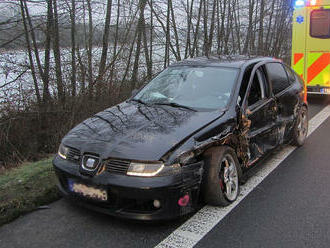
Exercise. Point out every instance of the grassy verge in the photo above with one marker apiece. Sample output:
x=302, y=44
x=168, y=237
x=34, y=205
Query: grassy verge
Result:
x=25, y=188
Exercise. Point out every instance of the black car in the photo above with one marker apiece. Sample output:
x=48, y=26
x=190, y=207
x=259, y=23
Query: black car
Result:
x=184, y=139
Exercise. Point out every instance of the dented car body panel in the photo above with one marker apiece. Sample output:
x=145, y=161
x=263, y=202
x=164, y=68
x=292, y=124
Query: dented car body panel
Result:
x=255, y=120
x=137, y=132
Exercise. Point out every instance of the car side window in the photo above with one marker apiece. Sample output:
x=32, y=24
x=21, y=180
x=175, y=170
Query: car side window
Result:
x=277, y=77
x=258, y=90
x=299, y=79
x=290, y=73
x=244, y=85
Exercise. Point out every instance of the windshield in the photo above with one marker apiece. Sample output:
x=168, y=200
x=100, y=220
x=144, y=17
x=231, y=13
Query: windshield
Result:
x=194, y=87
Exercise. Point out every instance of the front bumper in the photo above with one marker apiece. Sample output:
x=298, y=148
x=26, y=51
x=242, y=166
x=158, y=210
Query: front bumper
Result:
x=132, y=197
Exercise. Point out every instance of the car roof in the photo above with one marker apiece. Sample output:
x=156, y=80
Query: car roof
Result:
x=234, y=61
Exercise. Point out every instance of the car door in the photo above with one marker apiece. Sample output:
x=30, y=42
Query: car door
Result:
x=286, y=94
x=261, y=110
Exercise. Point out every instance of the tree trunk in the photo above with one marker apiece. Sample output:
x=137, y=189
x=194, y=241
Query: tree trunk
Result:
x=73, y=48
x=221, y=30
x=195, y=48
x=189, y=24
x=178, y=57
x=35, y=81
x=261, y=29
x=44, y=77
x=140, y=28
x=89, y=50
x=99, y=80
x=167, y=33
x=151, y=34
x=115, y=43
x=205, y=18
x=249, y=30
x=146, y=52
x=50, y=24
x=128, y=66
x=57, y=56
x=210, y=39
x=164, y=28
x=228, y=29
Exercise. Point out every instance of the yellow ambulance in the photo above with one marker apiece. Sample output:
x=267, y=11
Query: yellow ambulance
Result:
x=311, y=44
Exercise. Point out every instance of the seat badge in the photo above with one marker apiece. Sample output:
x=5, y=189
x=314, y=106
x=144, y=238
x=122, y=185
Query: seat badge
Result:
x=90, y=163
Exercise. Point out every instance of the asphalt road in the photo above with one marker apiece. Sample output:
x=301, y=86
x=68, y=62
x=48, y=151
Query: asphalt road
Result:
x=290, y=208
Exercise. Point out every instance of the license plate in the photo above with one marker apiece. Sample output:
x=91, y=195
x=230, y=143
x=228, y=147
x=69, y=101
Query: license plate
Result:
x=325, y=90
x=88, y=191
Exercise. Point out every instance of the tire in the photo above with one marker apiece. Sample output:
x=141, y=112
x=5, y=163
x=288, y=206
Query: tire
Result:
x=300, y=129
x=220, y=185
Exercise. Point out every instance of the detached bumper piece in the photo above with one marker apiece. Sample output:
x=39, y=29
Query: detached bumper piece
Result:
x=147, y=199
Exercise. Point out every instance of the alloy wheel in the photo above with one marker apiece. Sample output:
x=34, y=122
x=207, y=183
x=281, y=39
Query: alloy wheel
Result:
x=229, y=178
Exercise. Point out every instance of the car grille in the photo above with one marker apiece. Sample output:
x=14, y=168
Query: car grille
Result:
x=112, y=165
x=73, y=155
x=117, y=166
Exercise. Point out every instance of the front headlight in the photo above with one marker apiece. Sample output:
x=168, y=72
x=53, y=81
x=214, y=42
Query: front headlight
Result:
x=150, y=170
x=63, y=151
x=144, y=170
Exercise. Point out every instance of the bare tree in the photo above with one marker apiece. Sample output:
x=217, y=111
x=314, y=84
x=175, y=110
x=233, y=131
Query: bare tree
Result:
x=99, y=80
x=32, y=68
x=140, y=30
x=57, y=55
x=73, y=48
x=89, y=49
x=177, y=44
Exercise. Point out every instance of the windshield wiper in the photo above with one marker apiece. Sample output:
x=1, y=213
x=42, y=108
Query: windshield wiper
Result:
x=175, y=105
x=139, y=101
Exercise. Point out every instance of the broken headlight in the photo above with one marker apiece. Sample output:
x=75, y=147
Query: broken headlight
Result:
x=63, y=151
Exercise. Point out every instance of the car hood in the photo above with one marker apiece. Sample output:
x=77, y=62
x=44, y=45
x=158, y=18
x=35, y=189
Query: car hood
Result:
x=136, y=131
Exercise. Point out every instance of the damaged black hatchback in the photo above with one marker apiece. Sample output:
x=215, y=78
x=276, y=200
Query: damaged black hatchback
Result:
x=184, y=139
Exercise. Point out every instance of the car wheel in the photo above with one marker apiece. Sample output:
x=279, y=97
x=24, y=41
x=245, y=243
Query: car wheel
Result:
x=300, y=129
x=221, y=178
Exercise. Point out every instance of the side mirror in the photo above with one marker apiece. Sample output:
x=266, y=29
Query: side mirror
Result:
x=134, y=92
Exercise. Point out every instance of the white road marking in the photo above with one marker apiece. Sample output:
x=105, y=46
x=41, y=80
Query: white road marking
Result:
x=194, y=229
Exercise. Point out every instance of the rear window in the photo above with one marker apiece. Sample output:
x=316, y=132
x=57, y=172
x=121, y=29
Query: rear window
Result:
x=320, y=24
